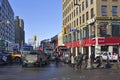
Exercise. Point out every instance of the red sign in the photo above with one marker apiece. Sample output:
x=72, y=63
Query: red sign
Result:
x=112, y=40
x=101, y=40
x=109, y=41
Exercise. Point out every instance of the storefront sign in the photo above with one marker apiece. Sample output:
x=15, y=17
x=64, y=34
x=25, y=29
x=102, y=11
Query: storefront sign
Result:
x=109, y=41
x=101, y=40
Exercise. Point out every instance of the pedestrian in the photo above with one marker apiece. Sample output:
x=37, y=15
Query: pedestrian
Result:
x=99, y=61
x=85, y=60
x=92, y=58
x=73, y=60
x=108, y=65
x=79, y=61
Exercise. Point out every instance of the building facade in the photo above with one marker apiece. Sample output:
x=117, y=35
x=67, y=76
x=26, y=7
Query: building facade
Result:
x=91, y=25
x=60, y=39
x=19, y=31
x=6, y=22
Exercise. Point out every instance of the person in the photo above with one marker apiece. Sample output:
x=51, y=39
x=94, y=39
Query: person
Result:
x=85, y=60
x=79, y=60
x=99, y=61
x=92, y=57
x=73, y=60
x=108, y=65
x=56, y=59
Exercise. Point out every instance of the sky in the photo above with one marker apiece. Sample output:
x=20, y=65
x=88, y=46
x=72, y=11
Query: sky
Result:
x=42, y=18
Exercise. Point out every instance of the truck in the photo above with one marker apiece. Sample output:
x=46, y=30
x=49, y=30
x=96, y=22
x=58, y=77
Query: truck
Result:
x=110, y=55
x=33, y=57
x=63, y=52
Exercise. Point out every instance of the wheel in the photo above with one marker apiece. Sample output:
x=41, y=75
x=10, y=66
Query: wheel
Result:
x=17, y=60
x=24, y=65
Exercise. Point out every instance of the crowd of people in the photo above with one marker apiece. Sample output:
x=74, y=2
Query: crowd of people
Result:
x=81, y=61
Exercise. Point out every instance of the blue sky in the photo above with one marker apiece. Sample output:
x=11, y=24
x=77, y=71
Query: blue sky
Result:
x=41, y=17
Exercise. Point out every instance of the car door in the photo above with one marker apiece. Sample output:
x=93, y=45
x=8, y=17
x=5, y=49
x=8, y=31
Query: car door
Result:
x=110, y=56
x=104, y=56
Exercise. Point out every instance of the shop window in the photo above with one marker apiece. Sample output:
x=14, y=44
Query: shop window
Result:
x=115, y=49
x=104, y=48
x=103, y=29
x=92, y=30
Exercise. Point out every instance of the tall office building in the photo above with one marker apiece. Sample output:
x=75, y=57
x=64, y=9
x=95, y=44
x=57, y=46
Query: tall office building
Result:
x=6, y=22
x=19, y=31
x=91, y=25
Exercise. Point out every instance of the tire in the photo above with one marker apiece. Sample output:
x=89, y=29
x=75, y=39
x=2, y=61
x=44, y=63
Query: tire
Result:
x=24, y=65
x=17, y=60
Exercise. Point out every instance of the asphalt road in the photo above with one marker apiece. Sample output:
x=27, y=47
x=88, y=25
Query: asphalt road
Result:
x=53, y=72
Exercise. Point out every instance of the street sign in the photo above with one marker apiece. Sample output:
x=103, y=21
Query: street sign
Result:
x=74, y=30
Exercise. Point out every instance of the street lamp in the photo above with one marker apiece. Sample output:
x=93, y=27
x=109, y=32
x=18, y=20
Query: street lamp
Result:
x=80, y=37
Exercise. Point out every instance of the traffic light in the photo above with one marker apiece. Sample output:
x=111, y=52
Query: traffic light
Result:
x=35, y=37
x=64, y=30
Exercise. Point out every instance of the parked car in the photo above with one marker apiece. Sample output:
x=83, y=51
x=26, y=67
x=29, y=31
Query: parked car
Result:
x=3, y=58
x=35, y=58
x=110, y=55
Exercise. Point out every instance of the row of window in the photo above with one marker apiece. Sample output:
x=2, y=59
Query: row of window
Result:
x=87, y=32
x=114, y=10
x=82, y=19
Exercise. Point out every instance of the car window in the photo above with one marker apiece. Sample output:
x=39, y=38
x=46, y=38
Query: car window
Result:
x=105, y=54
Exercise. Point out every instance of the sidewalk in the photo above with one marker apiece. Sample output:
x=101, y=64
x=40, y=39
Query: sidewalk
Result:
x=114, y=65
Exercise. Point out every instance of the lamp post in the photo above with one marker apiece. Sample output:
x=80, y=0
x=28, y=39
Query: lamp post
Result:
x=78, y=36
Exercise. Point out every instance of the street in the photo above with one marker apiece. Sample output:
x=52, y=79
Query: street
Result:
x=53, y=72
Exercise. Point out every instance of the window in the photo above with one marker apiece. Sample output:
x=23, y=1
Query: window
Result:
x=104, y=10
x=77, y=21
x=80, y=19
x=92, y=13
x=91, y=1
x=82, y=6
x=103, y=29
x=86, y=3
x=116, y=29
x=83, y=18
x=86, y=32
x=87, y=16
x=92, y=30
x=114, y=10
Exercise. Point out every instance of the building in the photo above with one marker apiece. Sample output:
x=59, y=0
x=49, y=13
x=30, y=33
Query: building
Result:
x=6, y=21
x=91, y=25
x=19, y=31
x=60, y=39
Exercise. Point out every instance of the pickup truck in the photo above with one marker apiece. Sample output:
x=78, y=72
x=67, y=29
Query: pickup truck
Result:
x=35, y=58
x=111, y=56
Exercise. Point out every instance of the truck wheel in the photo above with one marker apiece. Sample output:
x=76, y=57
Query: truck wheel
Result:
x=17, y=60
x=24, y=65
